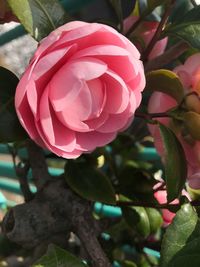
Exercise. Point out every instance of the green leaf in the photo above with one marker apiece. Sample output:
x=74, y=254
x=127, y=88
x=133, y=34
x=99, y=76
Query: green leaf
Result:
x=175, y=163
x=57, y=257
x=165, y=81
x=89, y=182
x=135, y=182
x=155, y=219
x=181, y=243
x=137, y=219
x=187, y=28
x=117, y=6
x=127, y=263
x=39, y=17
x=10, y=128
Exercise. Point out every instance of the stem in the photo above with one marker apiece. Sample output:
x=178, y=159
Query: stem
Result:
x=134, y=26
x=158, y=31
x=150, y=116
x=173, y=53
x=194, y=203
x=147, y=204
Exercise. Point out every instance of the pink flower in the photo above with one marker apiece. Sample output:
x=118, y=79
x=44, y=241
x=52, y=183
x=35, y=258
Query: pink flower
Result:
x=81, y=88
x=145, y=32
x=189, y=74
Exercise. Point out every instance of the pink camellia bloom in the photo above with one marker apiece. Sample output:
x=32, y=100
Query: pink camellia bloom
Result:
x=81, y=88
x=189, y=74
x=145, y=32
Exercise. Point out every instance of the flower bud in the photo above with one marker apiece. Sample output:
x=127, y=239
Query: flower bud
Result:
x=192, y=124
x=192, y=103
x=193, y=186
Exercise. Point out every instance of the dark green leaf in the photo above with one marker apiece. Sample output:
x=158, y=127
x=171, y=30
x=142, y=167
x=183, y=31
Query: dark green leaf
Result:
x=175, y=163
x=10, y=128
x=116, y=4
x=155, y=219
x=187, y=28
x=165, y=81
x=188, y=32
x=39, y=17
x=135, y=182
x=89, y=182
x=181, y=243
x=137, y=219
x=179, y=10
x=57, y=257
x=127, y=263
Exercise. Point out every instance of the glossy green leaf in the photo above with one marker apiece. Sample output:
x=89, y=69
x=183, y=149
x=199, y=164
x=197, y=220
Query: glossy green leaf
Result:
x=39, y=17
x=117, y=5
x=137, y=219
x=135, y=182
x=187, y=28
x=57, y=257
x=89, y=182
x=10, y=127
x=155, y=219
x=181, y=243
x=188, y=32
x=127, y=263
x=165, y=81
x=175, y=163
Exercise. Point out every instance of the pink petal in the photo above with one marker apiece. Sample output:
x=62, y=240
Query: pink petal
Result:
x=118, y=59
x=78, y=111
x=93, y=124
x=97, y=92
x=115, y=122
x=26, y=119
x=117, y=93
x=56, y=134
x=89, y=141
x=21, y=88
x=67, y=83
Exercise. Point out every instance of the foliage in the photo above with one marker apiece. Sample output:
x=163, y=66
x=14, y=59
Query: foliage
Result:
x=126, y=174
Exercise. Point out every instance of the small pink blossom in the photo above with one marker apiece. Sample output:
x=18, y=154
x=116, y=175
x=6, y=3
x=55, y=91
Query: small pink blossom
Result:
x=81, y=88
x=189, y=74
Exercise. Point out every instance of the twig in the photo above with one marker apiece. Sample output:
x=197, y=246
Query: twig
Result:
x=194, y=203
x=173, y=53
x=134, y=26
x=158, y=31
x=150, y=116
x=146, y=204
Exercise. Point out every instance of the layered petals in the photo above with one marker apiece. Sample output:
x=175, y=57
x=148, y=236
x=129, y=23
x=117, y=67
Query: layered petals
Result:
x=81, y=88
